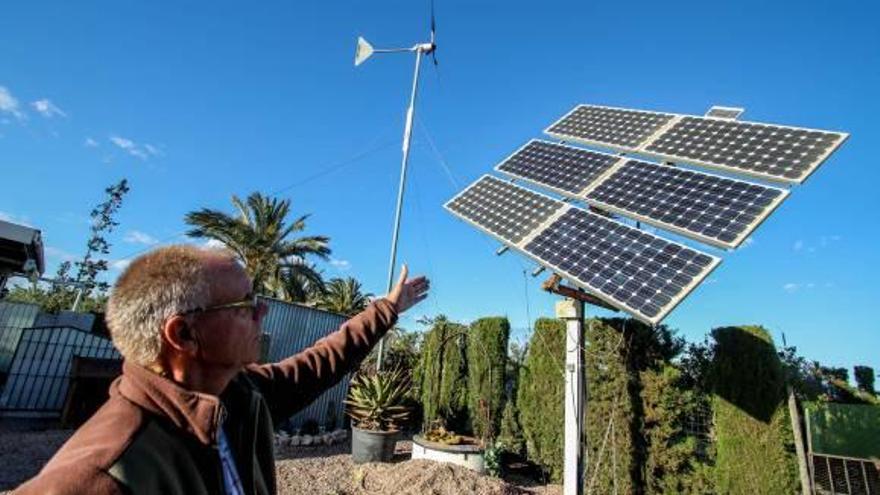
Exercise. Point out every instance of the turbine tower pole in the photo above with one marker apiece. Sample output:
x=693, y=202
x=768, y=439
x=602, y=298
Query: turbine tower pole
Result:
x=407, y=138
x=364, y=51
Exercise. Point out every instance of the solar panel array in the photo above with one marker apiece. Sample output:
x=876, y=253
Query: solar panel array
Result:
x=713, y=209
x=639, y=272
x=631, y=269
x=779, y=153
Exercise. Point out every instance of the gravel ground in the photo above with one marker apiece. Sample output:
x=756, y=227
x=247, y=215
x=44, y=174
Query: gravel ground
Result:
x=324, y=470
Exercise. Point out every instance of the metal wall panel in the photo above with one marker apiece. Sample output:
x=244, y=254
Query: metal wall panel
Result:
x=40, y=372
x=292, y=328
x=72, y=319
x=13, y=318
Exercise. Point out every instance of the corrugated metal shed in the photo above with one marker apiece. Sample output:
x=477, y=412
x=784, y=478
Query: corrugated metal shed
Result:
x=292, y=328
x=39, y=372
x=39, y=375
x=13, y=318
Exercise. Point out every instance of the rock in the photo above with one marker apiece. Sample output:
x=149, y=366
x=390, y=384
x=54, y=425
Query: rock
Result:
x=307, y=440
x=294, y=441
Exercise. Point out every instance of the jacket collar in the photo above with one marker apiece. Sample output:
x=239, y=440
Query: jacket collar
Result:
x=197, y=413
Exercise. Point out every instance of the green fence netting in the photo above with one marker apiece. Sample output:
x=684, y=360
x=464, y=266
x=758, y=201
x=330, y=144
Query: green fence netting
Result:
x=847, y=430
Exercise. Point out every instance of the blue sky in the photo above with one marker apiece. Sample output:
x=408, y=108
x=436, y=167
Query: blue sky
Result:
x=194, y=103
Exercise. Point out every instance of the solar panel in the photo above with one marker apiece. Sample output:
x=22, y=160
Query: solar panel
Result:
x=502, y=209
x=564, y=169
x=774, y=152
x=769, y=151
x=605, y=126
x=637, y=272
x=712, y=209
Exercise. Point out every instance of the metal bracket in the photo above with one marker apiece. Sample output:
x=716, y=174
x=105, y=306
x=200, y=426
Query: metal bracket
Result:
x=553, y=285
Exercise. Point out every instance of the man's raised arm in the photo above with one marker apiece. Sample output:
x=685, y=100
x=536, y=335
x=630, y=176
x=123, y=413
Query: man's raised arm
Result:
x=292, y=384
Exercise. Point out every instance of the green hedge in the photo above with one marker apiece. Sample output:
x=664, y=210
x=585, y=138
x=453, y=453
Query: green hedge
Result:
x=610, y=401
x=487, y=362
x=442, y=375
x=752, y=426
x=676, y=428
x=540, y=395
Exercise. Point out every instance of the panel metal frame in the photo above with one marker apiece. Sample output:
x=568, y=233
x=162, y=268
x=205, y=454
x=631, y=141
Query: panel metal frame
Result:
x=583, y=196
x=642, y=148
x=520, y=248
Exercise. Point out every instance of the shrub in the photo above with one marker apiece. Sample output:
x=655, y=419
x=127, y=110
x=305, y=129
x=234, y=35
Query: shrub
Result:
x=752, y=426
x=864, y=378
x=609, y=424
x=510, y=438
x=625, y=366
x=540, y=396
x=441, y=375
x=677, y=429
x=486, y=363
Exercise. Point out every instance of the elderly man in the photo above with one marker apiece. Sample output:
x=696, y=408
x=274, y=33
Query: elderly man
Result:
x=192, y=413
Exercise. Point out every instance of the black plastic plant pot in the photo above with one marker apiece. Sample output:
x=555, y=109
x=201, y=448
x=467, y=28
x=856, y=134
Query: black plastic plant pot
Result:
x=372, y=446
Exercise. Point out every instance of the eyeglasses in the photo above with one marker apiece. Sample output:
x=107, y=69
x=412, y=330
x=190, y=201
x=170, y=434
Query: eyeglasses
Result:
x=251, y=302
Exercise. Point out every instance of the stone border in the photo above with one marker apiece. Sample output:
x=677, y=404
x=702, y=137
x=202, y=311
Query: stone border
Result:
x=284, y=439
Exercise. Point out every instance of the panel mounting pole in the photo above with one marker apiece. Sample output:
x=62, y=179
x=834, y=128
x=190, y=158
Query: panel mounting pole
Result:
x=572, y=312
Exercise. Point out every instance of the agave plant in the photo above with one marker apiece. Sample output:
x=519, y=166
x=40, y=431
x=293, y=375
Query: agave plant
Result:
x=377, y=401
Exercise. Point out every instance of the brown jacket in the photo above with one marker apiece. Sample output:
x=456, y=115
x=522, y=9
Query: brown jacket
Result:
x=154, y=437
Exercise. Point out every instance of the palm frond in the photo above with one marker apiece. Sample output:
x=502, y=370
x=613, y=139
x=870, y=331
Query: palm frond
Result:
x=260, y=237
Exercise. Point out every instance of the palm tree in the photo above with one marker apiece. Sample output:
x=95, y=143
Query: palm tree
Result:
x=344, y=296
x=260, y=236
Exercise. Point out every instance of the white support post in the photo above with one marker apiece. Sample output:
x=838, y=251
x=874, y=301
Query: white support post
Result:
x=572, y=311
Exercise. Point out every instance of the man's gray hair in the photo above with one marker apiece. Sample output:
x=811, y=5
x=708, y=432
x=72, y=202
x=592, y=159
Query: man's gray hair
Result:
x=154, y=287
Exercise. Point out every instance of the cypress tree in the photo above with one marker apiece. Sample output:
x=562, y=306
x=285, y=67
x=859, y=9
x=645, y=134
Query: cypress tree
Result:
x=540, y=394
x=487, y=362
x=609, y=423
x=864, y=379
x=677, y=426
x=510, y=437
x=442, y=375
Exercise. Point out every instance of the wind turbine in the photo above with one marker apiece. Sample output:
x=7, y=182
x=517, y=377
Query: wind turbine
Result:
x=364, y=51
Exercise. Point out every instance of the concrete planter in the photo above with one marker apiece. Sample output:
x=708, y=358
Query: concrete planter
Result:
x=466, y=455
x=372, y=446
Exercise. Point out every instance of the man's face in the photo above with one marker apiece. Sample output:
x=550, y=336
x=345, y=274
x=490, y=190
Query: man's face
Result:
x=229, y=337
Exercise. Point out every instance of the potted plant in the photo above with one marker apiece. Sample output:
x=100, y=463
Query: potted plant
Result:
x=377, y=406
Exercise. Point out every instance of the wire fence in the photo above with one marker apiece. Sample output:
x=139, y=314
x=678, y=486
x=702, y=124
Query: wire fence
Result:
x=834, y=475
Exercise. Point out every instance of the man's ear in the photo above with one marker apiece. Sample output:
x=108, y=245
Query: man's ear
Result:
x=178, y=335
